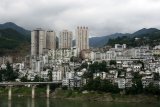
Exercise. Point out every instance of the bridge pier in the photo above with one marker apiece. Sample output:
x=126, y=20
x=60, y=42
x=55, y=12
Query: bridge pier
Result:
x=10, y=93
x=33, y=91
x=48, y=90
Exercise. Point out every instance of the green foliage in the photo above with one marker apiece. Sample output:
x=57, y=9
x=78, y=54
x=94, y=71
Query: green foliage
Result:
x=150, y=39
x=103, y=66
x=93, y=68
x=10, y=40
x=38, y=79
x=98, y=67
x=74, y=59
x=137, y=87
x=156, y=76
x=24, y=79
x=112, y=62
x=151, y=89
x=50, y=75
x=8, y=74
x=88, y=75
x=101, y=85
x=140, y=62
x=84, y=65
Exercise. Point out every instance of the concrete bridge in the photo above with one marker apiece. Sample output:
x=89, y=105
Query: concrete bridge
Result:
x=33, y=86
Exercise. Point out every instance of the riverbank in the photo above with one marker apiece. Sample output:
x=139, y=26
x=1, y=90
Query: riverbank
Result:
x=82, y=96
x=108, y=97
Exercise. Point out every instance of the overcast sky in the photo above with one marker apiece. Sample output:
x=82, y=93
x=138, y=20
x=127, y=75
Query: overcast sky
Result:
x=103, y=17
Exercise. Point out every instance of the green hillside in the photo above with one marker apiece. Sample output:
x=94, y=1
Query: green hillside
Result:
x=11, y=42
x=149, y=38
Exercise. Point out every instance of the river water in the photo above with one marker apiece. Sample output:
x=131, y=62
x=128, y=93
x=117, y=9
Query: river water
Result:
x=43, y=102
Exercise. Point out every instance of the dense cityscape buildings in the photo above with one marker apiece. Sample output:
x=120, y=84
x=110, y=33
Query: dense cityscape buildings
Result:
x=69, y=64
x=80, y=53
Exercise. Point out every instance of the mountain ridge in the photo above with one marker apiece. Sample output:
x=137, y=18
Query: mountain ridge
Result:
x=93, y=42
x=11, y=25
x=104, y=40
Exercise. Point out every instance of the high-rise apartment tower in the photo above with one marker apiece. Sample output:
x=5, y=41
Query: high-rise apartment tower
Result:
x=51, y=40
x=65, y=39
x=82, y=38
x=38, y=42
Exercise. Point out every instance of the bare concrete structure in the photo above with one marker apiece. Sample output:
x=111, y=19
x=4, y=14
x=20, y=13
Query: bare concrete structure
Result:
x=82, y=38
x=65, y=39
x=51, y=40
x=33, y=87
x=38, y=42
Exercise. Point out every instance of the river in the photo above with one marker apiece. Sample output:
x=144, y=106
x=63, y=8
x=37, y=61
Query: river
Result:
x=43, y=102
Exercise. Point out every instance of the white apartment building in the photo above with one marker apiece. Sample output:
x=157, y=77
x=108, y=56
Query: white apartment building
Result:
x=51, y=40
x=62, y=54
x=121, y=83
x=57, y=75
x=121, y=47
x=38, y=42
x=82, y=38
x=65, y=39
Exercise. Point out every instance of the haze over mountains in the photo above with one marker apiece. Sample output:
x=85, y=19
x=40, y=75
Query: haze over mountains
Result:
x=12, y=35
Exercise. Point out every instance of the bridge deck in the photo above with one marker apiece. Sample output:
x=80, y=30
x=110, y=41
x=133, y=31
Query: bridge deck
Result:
x=28, y=83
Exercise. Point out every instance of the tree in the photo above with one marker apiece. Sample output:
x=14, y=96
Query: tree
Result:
x=84, y=65
x=103, y=66
x=74, y=59
x=50, y=75
x=1, y=76
x=112, y=62
x=38, y=79
x=88, y=75
x=101, y=85
x=9, y=74
x=152, y=89
x=24, y=79
x=137, y=83
x=92, y=67
x=156, y=76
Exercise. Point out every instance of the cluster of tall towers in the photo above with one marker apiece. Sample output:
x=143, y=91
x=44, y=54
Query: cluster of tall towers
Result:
x=42, y=40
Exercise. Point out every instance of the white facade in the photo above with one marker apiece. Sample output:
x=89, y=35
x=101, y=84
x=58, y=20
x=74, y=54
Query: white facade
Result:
x=51, y=40
x=57, y=75
x=38, y=42
x=102, y=75
x=118, y=46
x=82, y=38
x=121, y=83
x=37, y=66
x=65, y=39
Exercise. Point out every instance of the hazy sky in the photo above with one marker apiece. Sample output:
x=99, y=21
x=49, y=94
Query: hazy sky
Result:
x=103, y=17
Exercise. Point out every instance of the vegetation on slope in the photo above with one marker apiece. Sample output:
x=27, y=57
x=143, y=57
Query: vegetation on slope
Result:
x=12, y=42
x=150, y=39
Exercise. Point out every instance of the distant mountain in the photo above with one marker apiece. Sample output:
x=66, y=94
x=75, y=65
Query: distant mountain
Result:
x=145, y=31
x=12, y=25
x=101, y=41
x=11, y=40
x=145, y=36
x=96, y=42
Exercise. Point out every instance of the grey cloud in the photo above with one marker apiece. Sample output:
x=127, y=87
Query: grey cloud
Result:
x=103, y=17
